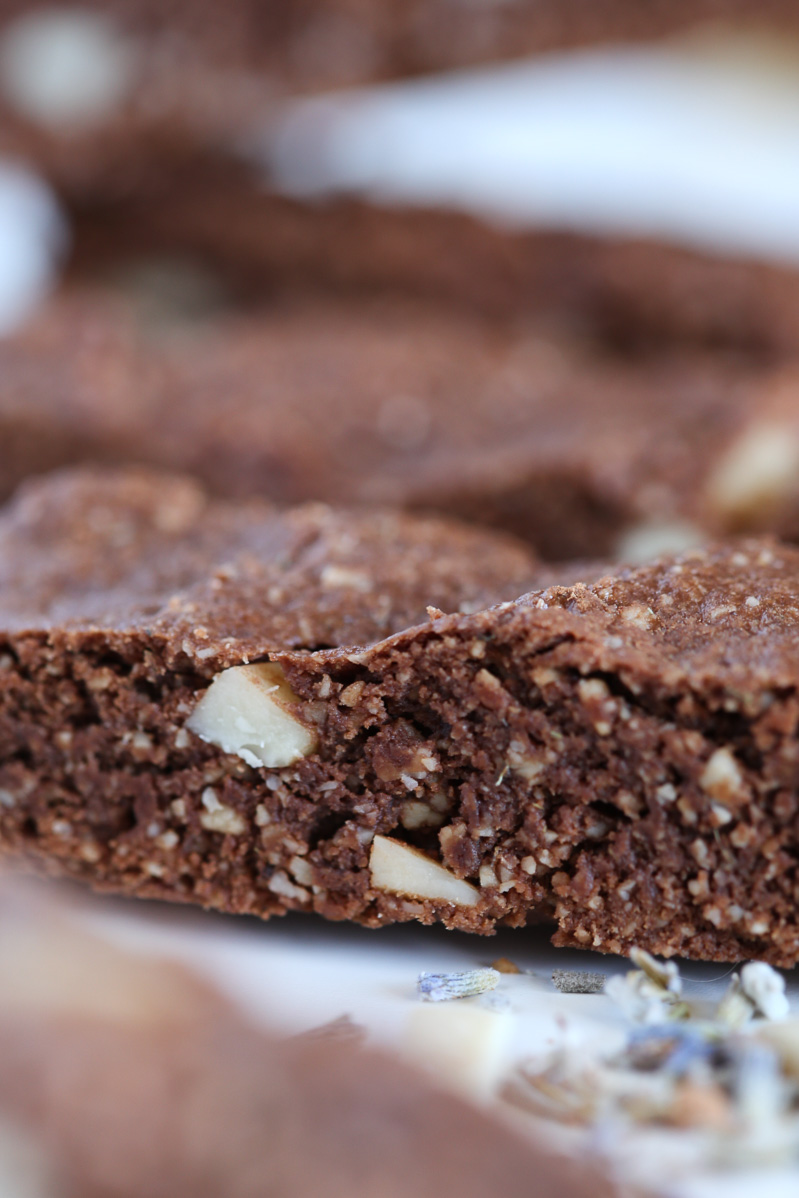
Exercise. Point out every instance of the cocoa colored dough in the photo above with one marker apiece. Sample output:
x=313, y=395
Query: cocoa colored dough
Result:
x=619, y=755
x=543, y=432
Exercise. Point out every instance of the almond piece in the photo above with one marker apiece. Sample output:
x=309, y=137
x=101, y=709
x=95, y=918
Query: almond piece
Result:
x=247, y=710
x=400, y=869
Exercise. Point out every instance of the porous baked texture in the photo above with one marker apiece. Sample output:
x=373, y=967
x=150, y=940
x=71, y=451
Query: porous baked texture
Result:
x=617, y=755
x=542, y=431
x=189, y=83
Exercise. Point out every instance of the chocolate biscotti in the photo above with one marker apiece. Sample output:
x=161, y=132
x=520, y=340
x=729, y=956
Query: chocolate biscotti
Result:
x=545, y=433
x=106, y=95
x=634, y=296
x=194, y=708
x=125, y=1075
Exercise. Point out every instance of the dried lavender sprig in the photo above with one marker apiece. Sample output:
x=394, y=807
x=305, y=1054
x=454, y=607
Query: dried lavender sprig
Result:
x=578, y=981
x=673, y=1048
x=439, y=987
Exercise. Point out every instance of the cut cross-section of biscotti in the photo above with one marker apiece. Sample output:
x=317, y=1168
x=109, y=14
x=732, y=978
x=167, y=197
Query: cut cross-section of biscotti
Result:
x=92, y=564
x=196, y=704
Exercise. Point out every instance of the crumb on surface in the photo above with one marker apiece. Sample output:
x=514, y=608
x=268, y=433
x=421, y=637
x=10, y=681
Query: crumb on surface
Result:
x=505, y=965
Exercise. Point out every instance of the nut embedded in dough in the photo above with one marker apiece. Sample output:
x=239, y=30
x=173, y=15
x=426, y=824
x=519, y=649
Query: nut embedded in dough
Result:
x=755, y=475
x=400, y=869
x=247, y=710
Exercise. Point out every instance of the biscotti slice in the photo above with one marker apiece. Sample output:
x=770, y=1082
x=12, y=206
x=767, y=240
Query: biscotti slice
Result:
x=575, y=447
x=561, y=441
x=635, y=296
x=109, y=95
x=118, y=547
x=197, y=707
x=125, y=1075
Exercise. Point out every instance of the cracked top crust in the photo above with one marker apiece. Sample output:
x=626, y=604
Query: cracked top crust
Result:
x=141, y=551
x=726, y=613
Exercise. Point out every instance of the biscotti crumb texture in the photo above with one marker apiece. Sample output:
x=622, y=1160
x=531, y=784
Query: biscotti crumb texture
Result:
x=620, y=756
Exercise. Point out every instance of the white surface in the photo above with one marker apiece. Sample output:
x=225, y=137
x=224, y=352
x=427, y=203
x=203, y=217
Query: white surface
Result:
x=299, y=973
x=698, y=143
x=32, y=239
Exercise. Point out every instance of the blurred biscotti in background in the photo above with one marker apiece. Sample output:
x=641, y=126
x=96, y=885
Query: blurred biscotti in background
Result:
x=106, y=96
x=631, y=293
x=125, y=1075
x=549, y=430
